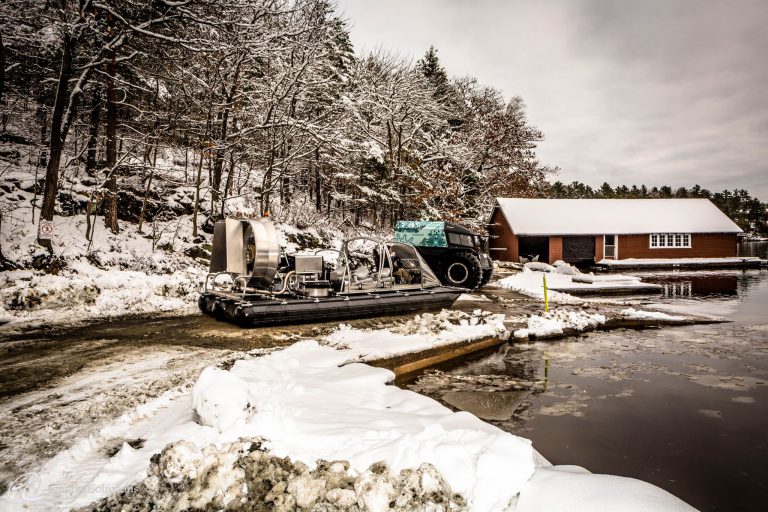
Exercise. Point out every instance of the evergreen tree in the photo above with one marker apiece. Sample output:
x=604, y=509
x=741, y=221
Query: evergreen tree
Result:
x=431, y=68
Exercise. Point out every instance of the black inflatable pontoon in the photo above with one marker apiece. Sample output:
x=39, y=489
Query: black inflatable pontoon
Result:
x=251, y=284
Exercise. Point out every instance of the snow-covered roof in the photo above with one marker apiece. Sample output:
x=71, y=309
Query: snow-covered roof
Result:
x=614, y=216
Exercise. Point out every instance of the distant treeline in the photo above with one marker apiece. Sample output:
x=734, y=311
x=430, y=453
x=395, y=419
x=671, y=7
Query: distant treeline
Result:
x=744, y=209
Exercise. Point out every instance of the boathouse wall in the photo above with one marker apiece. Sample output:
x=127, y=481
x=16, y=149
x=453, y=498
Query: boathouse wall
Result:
x=703, y=245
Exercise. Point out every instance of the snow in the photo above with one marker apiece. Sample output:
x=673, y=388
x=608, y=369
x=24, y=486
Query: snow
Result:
x=614, y=216
x=310, y=402
x=530, y=282
x=562, y=278
x=221, y=399
x=603, y=278
x=570, y=488
x=557, y=321
x=90, y=292
x=428, y=330
x=470, y=297
x=639, y=262
x=650, y=315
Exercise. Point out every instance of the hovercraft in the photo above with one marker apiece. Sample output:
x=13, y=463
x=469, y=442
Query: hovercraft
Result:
x=252, y=282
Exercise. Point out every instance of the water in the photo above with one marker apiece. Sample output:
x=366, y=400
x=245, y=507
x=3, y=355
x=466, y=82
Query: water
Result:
x=684, y=408
x=755, y=249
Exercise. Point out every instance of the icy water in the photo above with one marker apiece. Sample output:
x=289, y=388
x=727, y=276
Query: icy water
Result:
x=684, y=408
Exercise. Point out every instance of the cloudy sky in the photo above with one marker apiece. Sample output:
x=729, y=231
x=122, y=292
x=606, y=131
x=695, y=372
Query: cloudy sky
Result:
x=645, y=91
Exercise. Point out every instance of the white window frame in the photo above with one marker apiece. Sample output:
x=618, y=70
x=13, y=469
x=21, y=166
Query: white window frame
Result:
x=615, y=247
x=669, y=240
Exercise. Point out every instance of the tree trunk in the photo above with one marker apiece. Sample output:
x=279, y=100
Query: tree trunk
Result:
x=218, y=165
x=198, y=181
x=93, y=139
x=2, y=78
x=228, y=184
x=146, y=197
x=110, y=211
x=57, y=136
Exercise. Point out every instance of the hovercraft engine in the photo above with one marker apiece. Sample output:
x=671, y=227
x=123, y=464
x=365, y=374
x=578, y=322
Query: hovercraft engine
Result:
x=310, y=273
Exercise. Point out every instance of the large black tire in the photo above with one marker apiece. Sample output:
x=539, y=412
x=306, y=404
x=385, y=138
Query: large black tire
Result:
x=487, y=275
x=463, y=270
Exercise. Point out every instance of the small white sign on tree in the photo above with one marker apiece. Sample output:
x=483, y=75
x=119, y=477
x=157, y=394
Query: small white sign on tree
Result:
x=45, y=230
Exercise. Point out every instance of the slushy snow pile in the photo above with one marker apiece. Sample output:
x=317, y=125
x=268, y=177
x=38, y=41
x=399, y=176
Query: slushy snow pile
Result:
x=557, y=321
x=244, y=475
x=650, y=315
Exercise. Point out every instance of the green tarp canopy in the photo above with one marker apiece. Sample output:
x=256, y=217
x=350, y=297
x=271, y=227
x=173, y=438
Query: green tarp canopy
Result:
x=421, y=233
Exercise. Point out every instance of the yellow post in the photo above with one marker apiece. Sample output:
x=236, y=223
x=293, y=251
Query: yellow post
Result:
x=546, y=298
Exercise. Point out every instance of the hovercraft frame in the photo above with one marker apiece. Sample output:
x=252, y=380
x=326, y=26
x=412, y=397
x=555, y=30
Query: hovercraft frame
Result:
x=252, y=283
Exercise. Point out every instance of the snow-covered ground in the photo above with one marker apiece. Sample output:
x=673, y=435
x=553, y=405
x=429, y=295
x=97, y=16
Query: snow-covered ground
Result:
x=157, y=269
x=128, y=273
x=310, y=403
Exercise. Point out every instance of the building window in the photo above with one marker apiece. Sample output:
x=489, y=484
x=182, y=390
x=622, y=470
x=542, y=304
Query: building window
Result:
x=673, y=240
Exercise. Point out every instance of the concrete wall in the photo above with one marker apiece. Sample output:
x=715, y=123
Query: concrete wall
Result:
x=702, y=246
x=555, y=248
x=501, y=237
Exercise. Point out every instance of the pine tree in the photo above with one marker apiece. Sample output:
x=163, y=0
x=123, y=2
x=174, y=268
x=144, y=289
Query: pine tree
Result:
x=434, y=72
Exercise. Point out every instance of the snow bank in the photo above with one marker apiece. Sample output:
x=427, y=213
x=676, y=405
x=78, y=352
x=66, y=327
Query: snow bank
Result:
x=309, y=408
x=307, y=404
x=428, y=330
x=650, y=315
x=89, y=292
x=557, y=321
x=571, y=488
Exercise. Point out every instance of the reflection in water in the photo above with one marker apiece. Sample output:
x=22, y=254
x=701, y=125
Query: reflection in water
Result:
x=694, y=284
x=684, y=408
x=754, y=249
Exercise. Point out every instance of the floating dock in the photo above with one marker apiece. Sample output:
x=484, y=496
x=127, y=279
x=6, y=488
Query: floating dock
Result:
x=680, y=263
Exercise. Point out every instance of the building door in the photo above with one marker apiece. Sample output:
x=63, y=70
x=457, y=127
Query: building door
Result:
x=578, y=249
x=533, y=248
x=610, y=247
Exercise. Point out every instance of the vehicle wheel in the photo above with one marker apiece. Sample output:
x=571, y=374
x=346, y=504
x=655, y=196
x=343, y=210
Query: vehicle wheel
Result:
x=463, y=270
x=487, y=275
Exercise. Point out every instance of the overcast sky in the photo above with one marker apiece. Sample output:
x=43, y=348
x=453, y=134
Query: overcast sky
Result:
x=644, y=91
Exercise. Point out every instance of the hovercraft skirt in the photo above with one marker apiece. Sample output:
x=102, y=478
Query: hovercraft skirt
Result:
x=258, y=311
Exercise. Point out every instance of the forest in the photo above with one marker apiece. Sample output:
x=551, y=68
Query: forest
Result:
x=138, y=111
x=251, y=103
